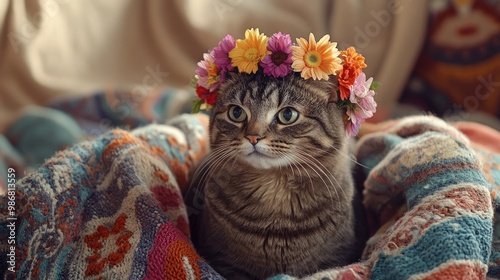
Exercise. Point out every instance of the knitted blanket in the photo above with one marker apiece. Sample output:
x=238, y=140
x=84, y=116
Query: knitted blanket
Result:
x=431, y=192
x=111, y=207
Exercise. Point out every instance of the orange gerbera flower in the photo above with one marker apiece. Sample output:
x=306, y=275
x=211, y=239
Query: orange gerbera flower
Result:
x=316, y=60
x=351, y=68
x=347, y=76
x=247, y=53
x=353, y=57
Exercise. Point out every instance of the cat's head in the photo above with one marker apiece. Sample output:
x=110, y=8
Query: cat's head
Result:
x=272, y=100
x=273, y=123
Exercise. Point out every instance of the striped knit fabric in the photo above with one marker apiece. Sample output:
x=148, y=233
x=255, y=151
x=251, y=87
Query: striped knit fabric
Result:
x=111, y=208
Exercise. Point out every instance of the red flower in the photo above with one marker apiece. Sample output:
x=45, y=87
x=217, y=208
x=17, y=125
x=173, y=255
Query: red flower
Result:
x=204, y=94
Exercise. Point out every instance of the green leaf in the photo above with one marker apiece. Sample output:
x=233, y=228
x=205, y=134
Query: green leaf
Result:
x=374, y=85
x=344, y=104
x=193, y=82
x=197, y=106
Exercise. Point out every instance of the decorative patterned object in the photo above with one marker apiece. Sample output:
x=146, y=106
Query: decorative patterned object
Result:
x=457, y=73
x=111, y=208
x=427, y=184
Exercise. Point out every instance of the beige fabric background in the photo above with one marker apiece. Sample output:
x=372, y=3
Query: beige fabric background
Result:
x=52, y=49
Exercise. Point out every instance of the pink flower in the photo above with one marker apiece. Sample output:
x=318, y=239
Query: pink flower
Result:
x=362, y=105
x=221, y=56
x=279, y=62
x=208, y=72
x=352, y=124
x=363, y=96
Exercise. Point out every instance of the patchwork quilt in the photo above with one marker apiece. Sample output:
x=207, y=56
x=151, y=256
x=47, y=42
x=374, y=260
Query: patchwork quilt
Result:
x=110, y=206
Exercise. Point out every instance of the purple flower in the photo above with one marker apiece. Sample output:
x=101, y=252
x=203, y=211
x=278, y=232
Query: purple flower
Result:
x=221, y=56
x=279, y=62
x=208, y=73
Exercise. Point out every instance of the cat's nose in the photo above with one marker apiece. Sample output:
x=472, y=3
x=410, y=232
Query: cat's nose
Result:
x=254, y=139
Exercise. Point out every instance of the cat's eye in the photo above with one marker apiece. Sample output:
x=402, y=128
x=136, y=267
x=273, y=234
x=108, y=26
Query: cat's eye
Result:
x=237, y=114
x=288, y=115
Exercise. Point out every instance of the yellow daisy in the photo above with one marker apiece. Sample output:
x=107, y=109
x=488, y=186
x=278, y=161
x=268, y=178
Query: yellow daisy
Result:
x=316, y=60
x=249, y=52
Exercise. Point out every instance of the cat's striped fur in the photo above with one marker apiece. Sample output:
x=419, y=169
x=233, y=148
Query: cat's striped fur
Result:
x=283, y=205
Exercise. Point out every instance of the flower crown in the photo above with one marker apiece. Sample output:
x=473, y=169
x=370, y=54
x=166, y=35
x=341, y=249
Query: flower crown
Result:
x=278, y=57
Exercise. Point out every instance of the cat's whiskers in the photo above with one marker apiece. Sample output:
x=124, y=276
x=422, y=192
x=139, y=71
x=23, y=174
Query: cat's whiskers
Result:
x=324, y=183
x=331, y=176
x=205, y=168
x=297, y=162
x=229, y=154
x=342, y=154
x=235, y=157
x=290, y=163
x=211, y=162
x=217, y=166
x=207, y=163
x=315, y=167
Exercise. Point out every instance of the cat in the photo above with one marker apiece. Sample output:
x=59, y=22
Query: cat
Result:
x=276, y=192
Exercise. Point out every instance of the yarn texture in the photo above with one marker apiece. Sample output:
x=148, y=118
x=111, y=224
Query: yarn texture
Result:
x=111, y=207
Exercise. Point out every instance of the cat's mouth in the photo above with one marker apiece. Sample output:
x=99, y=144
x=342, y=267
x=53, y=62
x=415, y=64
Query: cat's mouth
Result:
x=260, y=160
x=255, y=152
x=259, y=157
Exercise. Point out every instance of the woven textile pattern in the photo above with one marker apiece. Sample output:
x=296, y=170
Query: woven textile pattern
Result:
x=111, y=207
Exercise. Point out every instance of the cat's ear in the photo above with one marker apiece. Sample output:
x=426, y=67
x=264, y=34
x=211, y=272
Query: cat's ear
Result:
x=232, y=75
x=334, y=96
x=334, y=91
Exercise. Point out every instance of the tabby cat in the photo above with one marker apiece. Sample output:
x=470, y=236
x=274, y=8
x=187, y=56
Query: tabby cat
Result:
x=276, y=190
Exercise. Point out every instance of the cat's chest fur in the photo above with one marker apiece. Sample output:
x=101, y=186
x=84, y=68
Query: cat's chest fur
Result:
x=256, y=224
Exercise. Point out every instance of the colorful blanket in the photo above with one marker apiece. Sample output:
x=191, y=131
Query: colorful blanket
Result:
x=431, y=192
x=111, y=207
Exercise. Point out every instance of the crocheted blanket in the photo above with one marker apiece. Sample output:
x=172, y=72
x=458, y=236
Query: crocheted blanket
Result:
x=111, y=207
